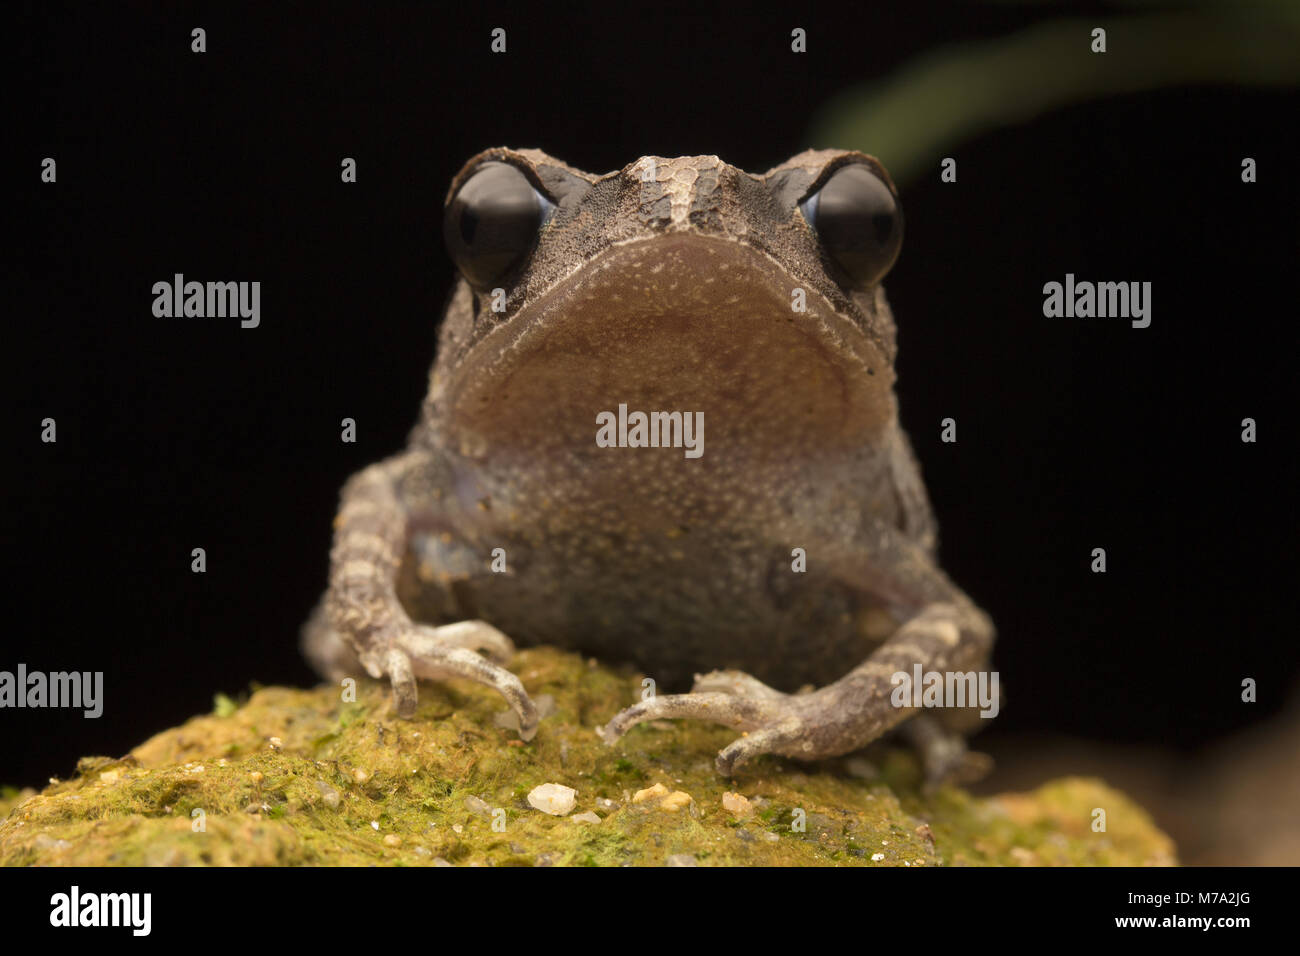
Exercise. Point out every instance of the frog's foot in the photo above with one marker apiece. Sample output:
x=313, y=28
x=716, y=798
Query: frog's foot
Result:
x=945, y=758
x=773, y=722
x=436, y=653
x=840, y=717
x=361, y=605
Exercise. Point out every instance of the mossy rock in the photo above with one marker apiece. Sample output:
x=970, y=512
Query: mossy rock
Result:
x=289, y=777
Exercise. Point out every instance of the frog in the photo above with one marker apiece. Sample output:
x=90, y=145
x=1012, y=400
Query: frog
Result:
x=778, y=581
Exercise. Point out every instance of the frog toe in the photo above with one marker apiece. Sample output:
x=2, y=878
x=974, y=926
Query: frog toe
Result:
x=422, y=652
x=945, y=757
x=780, y=737
x=734, y=682
x=472, y=635
x=734, y=710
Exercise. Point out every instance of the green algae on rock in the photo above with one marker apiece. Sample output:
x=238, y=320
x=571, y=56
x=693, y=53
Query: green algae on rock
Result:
x=303, y=777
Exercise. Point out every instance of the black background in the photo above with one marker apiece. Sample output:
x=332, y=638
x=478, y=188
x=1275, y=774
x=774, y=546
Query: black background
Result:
x=183, y=433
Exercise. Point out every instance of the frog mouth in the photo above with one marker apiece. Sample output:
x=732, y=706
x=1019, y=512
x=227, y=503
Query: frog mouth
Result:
x=675, y=323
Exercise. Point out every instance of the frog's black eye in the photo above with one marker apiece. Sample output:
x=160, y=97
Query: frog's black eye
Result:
x=859, y=223
x=492, y=223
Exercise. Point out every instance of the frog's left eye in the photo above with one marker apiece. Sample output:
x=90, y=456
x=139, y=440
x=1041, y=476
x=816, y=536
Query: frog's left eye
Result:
x=858, y=222
x=492, y=222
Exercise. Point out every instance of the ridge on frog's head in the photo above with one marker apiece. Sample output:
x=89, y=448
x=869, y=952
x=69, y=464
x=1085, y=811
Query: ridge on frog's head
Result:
x=682, y=284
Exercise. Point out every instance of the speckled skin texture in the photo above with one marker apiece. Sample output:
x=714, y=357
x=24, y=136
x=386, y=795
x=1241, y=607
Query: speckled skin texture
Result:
x=664, y=286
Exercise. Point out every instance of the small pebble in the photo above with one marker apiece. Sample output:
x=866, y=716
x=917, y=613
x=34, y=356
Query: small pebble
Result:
x=476, y=806
x=392, y=840
x=737, y=805
x=671, y=801
x=1023, y=856
x=110, y=776
x=676, y=800
x=374, y=824
x=439, y=861
x=422, y=851
x=46, y=842
x=553, y=798
x=650, y=793
x=681, y=859
x=360, y=776
x=276, y=743
x=330, y=795
x=877, y=857
x=585, y=817
x=457, y=828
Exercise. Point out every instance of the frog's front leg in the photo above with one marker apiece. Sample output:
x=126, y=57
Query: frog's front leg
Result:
x=947, y=633
x=362, y=608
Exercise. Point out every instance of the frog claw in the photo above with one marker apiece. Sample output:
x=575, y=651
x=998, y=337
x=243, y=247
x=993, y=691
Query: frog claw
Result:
x=734, y=711
x=771, y=739
x=473, y=635
x=732, y=698
x=437, y=653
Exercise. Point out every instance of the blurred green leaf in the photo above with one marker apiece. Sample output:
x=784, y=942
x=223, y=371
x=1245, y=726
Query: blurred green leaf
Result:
x=959, y=91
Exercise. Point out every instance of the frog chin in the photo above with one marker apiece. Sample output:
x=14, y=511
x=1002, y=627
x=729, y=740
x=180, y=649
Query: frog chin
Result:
x=676, y=323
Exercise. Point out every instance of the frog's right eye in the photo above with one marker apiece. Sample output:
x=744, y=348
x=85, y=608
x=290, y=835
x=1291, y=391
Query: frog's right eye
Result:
x=492, y=222
x=858, y=222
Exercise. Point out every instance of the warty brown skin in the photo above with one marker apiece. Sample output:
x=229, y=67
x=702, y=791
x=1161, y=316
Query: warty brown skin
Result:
x=664, y=287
